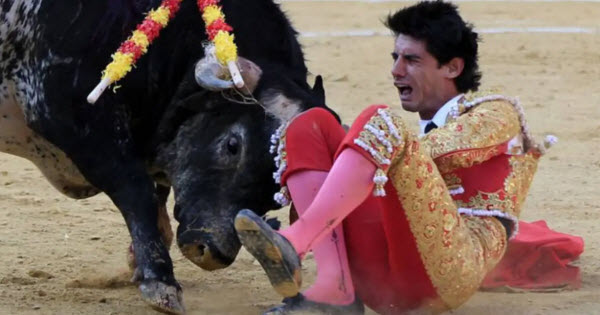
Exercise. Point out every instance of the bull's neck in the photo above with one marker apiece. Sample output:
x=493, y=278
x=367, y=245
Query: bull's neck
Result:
x=151, y=89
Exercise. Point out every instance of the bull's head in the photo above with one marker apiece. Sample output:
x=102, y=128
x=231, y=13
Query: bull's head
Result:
x=217, y=157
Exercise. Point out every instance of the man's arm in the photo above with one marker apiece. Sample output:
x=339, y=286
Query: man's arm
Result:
x=474, y=137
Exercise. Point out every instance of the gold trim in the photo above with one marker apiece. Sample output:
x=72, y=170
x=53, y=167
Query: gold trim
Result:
x=383, y=145
x=486, y=125
x=517, y=183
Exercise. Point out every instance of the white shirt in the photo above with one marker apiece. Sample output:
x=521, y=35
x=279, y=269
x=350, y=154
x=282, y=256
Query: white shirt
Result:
x=439, y=119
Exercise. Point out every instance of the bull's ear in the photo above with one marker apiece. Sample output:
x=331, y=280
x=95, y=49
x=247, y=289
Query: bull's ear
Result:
x=318, y=89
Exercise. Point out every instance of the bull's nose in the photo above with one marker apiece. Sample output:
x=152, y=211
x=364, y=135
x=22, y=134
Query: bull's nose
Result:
x=200, y=255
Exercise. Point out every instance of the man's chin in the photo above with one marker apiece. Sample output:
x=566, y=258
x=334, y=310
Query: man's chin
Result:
x=408, y=106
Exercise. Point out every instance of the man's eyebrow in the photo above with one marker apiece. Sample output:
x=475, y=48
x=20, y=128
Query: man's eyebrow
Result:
x=411, y=56
x=407, y=56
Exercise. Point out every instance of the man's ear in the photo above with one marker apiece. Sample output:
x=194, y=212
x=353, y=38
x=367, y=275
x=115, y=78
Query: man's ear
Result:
x=454, y=67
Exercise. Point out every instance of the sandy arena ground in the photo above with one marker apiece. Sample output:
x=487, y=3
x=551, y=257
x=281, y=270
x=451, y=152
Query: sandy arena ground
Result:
x=61, y=256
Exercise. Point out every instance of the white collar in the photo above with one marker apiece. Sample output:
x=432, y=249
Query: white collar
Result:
x=439, y=119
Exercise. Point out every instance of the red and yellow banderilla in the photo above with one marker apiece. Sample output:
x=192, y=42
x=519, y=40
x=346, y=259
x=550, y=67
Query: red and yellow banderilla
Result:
x=136, y=45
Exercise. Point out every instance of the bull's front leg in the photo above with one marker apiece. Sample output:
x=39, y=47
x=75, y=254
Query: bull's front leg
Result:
x=164, y=224
x=108, y=161
x=134, y=196
x=154, y=269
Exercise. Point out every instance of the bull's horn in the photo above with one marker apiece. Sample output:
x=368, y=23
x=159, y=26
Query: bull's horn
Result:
x=251, y=74
x=207, y=74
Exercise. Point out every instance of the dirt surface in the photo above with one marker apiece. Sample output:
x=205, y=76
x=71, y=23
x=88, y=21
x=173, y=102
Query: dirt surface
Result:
x=61, y=256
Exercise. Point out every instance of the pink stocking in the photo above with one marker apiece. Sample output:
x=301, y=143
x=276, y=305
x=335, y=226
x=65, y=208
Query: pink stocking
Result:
x=333, y=284
x=323, y=200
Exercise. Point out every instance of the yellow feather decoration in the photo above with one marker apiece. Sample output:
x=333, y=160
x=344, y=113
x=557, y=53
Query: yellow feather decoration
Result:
x=120, y=65
x=211, y=14
x=160, y=15
x=225, y=48
x=140, y=39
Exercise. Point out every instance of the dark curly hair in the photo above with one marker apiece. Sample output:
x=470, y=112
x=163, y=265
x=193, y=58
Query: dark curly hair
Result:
x=445, y=34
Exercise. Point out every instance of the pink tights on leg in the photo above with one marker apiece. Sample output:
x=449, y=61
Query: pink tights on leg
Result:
x=323, y=200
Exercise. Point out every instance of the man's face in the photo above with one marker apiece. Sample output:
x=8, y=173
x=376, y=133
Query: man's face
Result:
x=421, y=83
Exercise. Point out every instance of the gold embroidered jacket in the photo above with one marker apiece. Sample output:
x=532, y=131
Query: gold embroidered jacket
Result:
x=483, y=155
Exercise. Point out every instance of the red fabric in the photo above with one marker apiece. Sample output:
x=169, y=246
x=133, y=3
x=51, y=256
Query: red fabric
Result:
x=311, y=140
x=537, y=259
x=386, y=266
x=495, y=170
x=354, y=132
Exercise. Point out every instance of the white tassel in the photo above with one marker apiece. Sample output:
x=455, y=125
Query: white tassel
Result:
x=282, y=197
x=456, y=191
x=380, y=179
x=379, y=192
x=550, y=140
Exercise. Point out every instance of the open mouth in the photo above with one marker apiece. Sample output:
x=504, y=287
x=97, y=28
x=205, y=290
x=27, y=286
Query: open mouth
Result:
x=405, y=90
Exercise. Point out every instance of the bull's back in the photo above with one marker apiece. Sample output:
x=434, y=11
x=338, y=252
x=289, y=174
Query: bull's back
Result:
x=18, y=32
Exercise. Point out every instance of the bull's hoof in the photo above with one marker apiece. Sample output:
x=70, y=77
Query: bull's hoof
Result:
x=162, y=297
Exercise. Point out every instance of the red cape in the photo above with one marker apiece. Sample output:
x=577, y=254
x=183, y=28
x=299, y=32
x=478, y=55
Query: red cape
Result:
x=537, y=259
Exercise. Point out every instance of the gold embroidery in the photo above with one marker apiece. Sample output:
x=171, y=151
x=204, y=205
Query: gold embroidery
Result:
x=455, y=250
x=488, y=124
x=470, y=97
x=463, y=159
x=381, y=135
x=489, y=201
x=452, y=180
x=517, y=183
x=492, y=236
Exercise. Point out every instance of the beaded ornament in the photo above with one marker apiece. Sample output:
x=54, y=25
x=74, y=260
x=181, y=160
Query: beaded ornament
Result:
x=380, y=131
x=278, y=148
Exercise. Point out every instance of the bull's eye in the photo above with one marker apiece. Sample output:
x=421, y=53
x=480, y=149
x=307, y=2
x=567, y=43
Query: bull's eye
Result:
x=233, y=145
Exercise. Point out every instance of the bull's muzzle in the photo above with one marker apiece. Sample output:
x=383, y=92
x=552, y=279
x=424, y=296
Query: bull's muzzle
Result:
x=201, y=255
x=208, y=249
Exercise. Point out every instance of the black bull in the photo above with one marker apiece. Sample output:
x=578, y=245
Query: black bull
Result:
x=160, y=129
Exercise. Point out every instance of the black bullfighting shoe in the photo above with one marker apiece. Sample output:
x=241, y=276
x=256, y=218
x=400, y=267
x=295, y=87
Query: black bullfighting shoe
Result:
x=300, y=305
x=275, y=254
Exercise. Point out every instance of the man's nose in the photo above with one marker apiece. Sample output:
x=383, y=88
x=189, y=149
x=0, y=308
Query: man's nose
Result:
x=399, y=68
